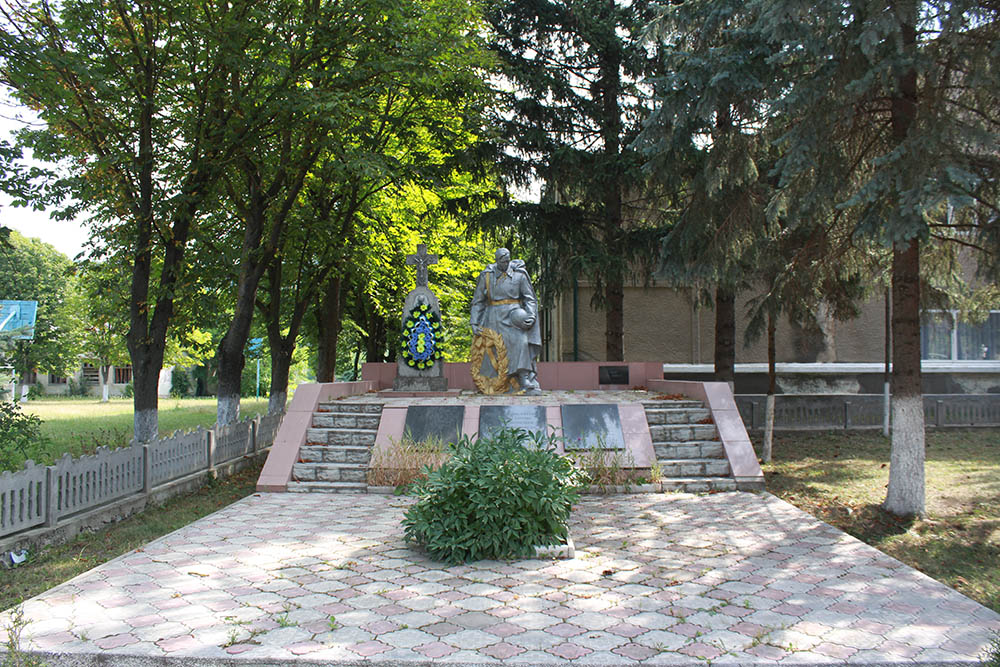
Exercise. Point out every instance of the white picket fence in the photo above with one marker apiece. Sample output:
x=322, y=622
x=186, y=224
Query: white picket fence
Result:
x=44, y=495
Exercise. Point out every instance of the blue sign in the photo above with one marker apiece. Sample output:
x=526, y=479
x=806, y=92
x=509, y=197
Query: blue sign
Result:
x=18, y=317
x=254, y=345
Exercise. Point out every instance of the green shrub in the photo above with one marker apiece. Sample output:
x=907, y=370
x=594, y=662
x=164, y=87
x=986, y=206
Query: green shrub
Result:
x=128, y=391
x=991, y=656
x=20, y=437
x=35, y=391
x=180, y=383
x=74, y=388
x=496, y=497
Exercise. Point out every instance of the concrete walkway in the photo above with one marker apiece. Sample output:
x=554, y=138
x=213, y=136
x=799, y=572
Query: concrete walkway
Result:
x=658, y=579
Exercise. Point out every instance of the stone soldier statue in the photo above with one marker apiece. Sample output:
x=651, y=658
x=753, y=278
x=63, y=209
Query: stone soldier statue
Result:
x=504, y=303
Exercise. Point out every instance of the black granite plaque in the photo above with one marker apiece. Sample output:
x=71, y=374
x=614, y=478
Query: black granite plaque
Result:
x=527, y=417
x=434, y=421
x=592, y=426
x=612, y=374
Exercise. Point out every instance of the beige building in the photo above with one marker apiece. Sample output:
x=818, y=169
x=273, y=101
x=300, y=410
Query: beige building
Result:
x=667, y=325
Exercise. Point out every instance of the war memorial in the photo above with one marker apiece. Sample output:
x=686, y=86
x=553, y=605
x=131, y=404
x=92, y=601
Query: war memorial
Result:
x=683, y=560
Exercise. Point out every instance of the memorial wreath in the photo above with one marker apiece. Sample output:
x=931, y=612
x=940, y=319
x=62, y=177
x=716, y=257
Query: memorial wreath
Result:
x=421, y=340
x=489, y=343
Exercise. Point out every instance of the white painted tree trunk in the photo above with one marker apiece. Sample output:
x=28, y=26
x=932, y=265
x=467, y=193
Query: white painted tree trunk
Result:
x=768, y=428
x=276, y=402
x=105, y=375
x=146, y=423
x=227, y=410
x=905, y=496
x=886, y=407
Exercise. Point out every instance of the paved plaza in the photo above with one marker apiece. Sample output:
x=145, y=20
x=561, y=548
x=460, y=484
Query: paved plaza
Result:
x=657, y=579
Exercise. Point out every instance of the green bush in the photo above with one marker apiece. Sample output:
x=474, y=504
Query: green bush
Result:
x=496, y=497
x=180, y=383
x=20, y=437
x=74, y=388
x=991, y=656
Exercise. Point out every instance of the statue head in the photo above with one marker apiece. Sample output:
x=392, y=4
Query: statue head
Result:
x=502, y=258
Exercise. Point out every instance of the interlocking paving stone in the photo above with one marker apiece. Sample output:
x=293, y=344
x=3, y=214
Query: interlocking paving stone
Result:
x=730, y=578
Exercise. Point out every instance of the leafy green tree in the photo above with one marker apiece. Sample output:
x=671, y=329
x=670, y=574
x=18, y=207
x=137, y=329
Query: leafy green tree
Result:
x=571, y=101
x=102, y=304
x=134, y=98
x=384, y=93
x=31, y=270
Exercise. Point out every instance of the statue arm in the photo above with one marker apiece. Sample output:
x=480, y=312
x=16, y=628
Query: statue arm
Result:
x=528, y=301
x=478, y=304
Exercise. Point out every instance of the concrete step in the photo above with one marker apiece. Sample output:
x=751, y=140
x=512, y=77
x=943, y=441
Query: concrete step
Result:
x=326, y=487
x=692, y=449
x=694, y=467
x=673, y=433
x=672, y=404
x=344, y=420
x=343, y=437
x=338, y=406
x=330, y=472
x=658, y=416
x=334, y=454
x=698, y=484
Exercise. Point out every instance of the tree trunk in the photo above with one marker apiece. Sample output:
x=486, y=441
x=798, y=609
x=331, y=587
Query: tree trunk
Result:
x=254, y=260
x=905, y=495
x=615, y=318
x=281, y=362
x=105, y=375
x=328, y=325
x=145, y=383
x=609, y=84
x=725, y=335
x=772, y=387
x=906, y=490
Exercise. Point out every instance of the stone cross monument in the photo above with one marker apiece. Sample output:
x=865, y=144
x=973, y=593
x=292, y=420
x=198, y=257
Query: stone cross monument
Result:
x=419, y=364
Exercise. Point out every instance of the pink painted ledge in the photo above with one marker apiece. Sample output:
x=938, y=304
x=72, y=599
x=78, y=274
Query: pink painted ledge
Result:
x=277, y=471
x=566, y=375
x=718, y=398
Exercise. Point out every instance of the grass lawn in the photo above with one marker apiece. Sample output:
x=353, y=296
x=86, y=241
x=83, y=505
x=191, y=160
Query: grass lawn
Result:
x=81, y=425
x=841, y=479
x=56, y=564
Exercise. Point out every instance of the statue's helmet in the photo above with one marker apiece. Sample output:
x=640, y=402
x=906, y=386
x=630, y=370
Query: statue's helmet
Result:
x=519, y=318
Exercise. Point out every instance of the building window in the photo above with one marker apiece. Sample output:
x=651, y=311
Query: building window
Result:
x=90, y=375
x=123, y=374
x=55, y=379
x=941, y=339
x=32, y=378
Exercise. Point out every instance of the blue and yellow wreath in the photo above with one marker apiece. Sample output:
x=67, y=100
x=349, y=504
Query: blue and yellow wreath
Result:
x=422, y=337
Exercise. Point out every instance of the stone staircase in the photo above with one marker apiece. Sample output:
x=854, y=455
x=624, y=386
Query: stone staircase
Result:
x=338, y=447
x=688, y=450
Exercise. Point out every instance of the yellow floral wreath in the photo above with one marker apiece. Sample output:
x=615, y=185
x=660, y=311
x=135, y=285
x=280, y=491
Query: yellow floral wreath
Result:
x=490, y=343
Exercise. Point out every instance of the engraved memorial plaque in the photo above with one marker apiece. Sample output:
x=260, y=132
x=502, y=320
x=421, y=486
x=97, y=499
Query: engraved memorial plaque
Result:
x=612, y=374
x=434, y=421
x=527, y=417
x=592, y=426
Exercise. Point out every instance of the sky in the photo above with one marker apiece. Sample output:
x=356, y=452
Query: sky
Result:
x=67, y=237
